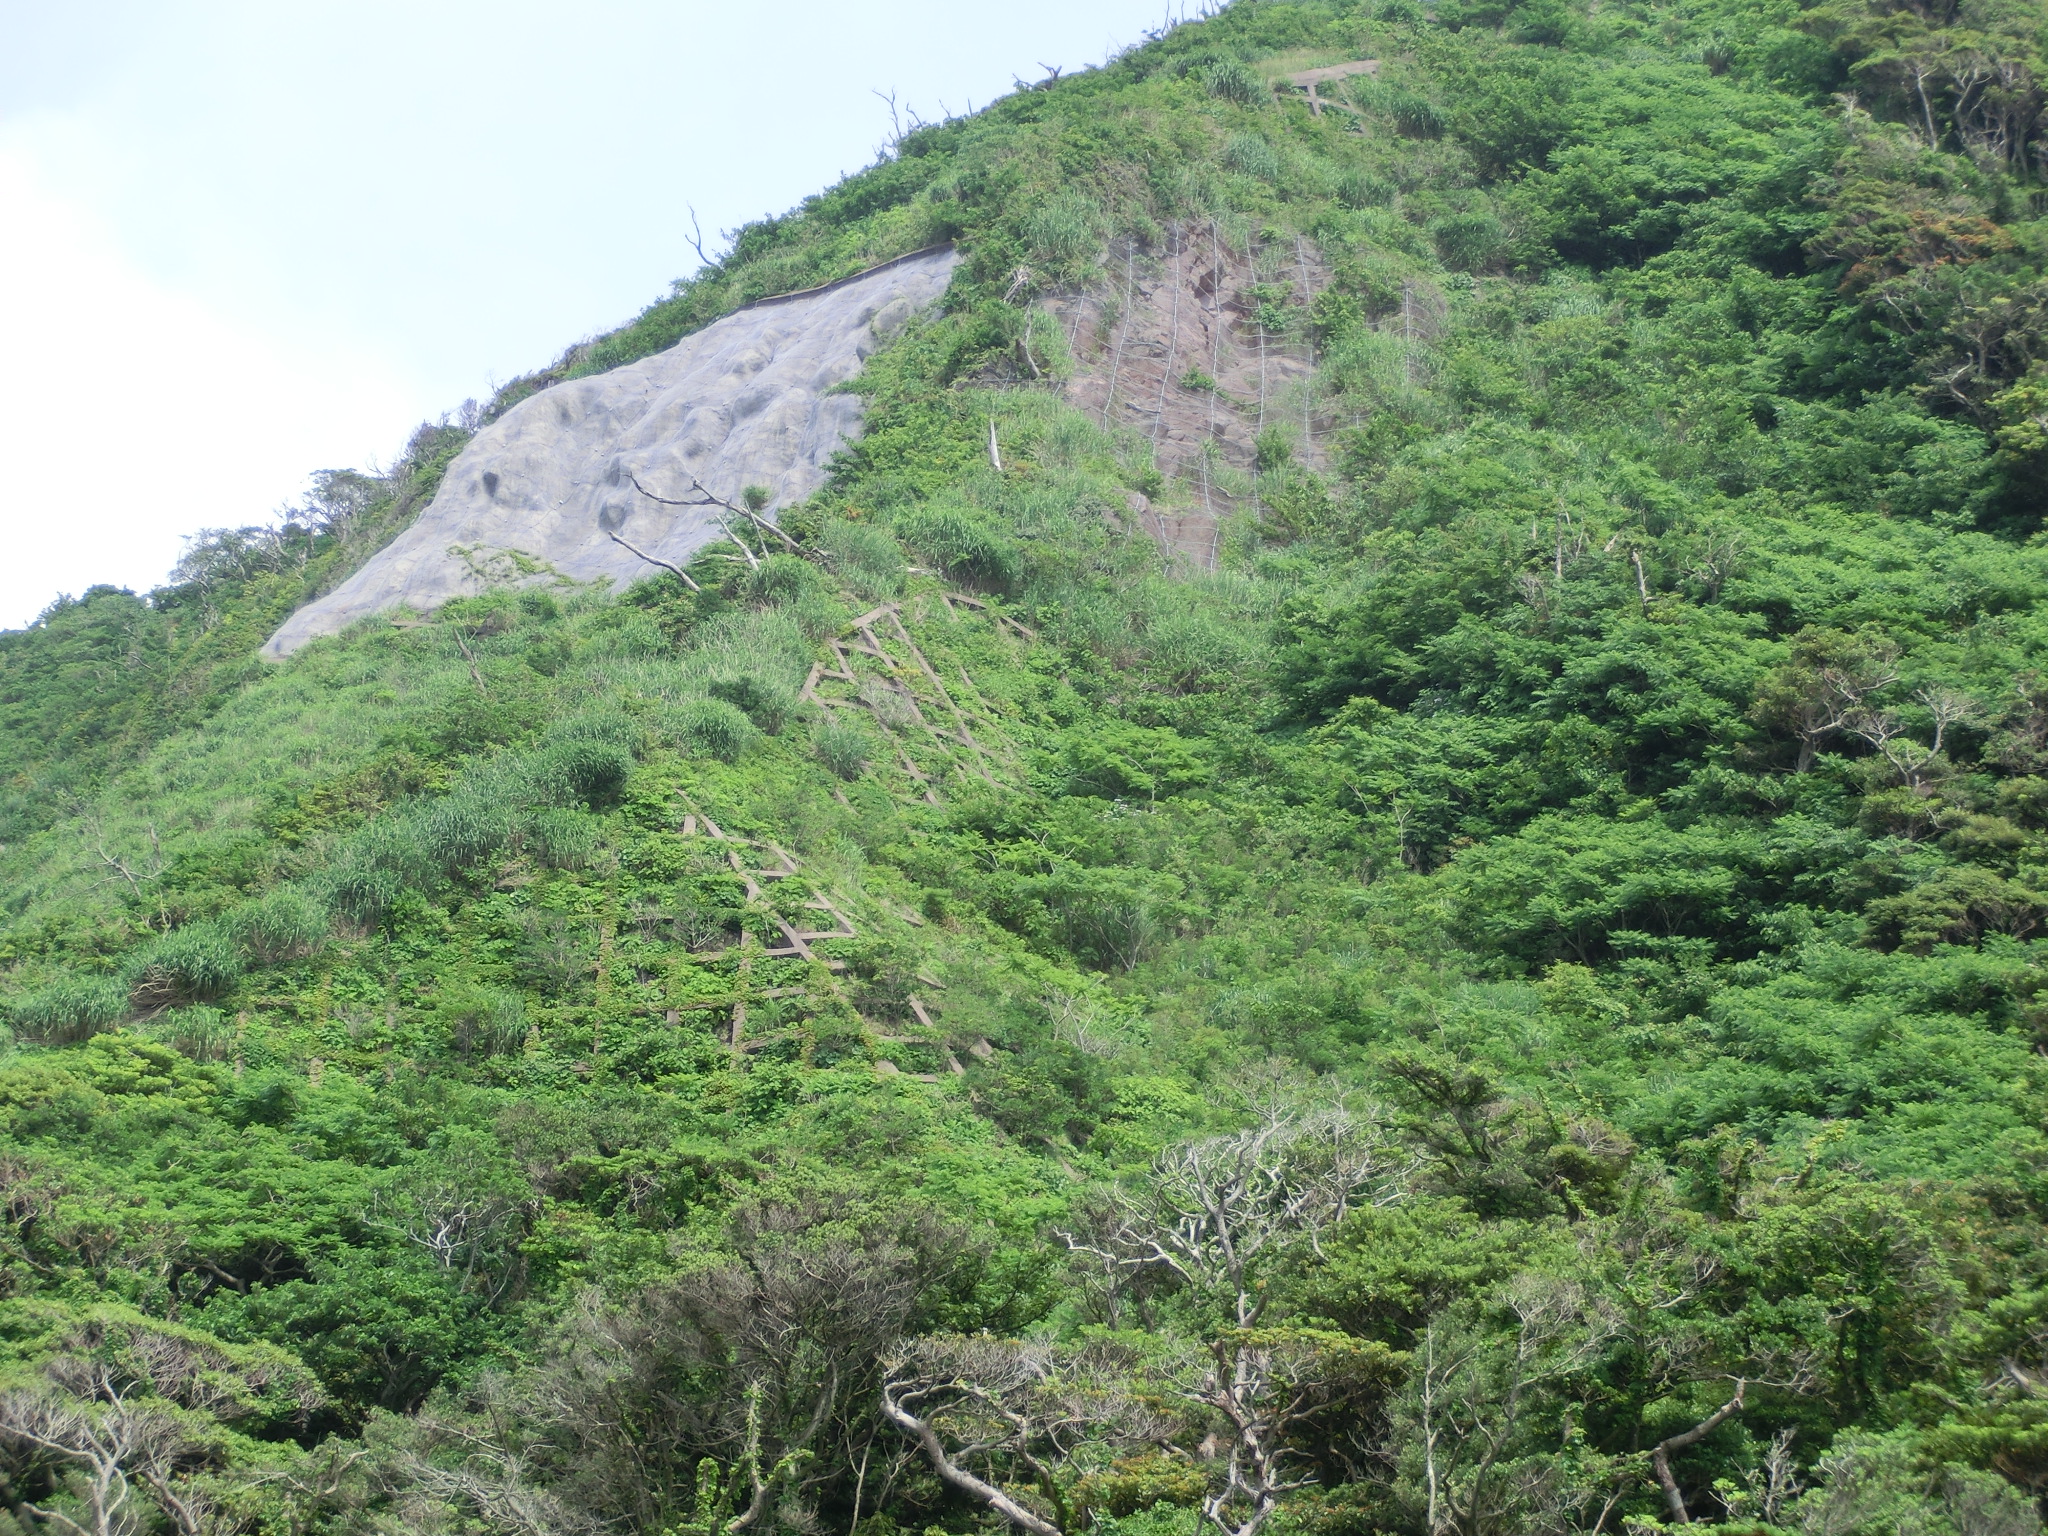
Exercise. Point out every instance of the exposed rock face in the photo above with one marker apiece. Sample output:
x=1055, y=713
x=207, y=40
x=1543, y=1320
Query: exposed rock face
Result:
x=1176, y=347
x=543, y=489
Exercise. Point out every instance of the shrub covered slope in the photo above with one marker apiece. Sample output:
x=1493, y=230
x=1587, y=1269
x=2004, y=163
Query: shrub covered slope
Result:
x=1511, y=1004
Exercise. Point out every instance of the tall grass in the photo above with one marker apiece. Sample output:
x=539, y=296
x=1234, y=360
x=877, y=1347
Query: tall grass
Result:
x=754, y=661
x=863, y=556
x=844, y=745
x=69, y=1010
x=1065, y=232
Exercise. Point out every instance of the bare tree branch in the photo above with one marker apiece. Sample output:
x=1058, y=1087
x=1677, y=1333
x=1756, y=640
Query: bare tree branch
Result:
x=1660, y=1453
x=677, y=570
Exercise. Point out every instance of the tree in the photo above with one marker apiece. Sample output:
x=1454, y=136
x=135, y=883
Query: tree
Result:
x=1219, y=1213
x=464, y=1206
x=128, y=1420
x=1476, y=1422
x=1821, y=687
x=1217, y=1216
x=756, y=1367
x=983, y=1409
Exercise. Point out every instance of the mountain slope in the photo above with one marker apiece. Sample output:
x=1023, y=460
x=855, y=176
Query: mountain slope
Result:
x=1425, y=923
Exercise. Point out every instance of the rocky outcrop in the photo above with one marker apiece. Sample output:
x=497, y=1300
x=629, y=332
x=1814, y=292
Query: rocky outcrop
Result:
x=1176, y=347
x=566, y=481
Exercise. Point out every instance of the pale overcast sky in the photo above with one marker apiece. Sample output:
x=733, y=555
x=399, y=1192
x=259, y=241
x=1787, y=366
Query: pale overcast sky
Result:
x=241, y=240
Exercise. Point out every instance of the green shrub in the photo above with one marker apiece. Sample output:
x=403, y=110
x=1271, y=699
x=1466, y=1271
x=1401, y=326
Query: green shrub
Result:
x=285, y=926
x=560, y=839
x=864, y=557
x=579, y=773
x=1963, y=905
x=192, y=965
x=713, y=728
x=1122, y=761
x=1111, y=919
x=1273, y=450
x=1230, y=81
x=1137, y=1483
x=466, y=722
x=128, y=1066
x=70, y=1010
x=1253, y=156
x=957, y=541
x=843, y=745
x=1297, y=502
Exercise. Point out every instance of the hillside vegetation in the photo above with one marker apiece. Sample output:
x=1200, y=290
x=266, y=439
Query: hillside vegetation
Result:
x=1513, y=1004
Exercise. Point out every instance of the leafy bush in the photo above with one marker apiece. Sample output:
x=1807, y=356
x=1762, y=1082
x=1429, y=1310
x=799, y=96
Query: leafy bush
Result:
x=381, y=1326
x=1273, y=450
x=1963, y=905
x=1883, y=1485
x=1130, y=761
x=1136, y=1483
x=1111, y=918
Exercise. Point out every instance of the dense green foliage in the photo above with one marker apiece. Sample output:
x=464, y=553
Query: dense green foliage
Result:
x=1563, y=898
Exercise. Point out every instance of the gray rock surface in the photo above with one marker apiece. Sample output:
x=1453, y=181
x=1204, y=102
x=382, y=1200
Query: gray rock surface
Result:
x=542, y=489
